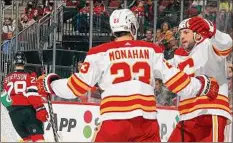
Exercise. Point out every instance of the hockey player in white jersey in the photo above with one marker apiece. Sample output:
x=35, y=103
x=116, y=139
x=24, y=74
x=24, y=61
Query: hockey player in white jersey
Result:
x=204, y=49
x=126, y=70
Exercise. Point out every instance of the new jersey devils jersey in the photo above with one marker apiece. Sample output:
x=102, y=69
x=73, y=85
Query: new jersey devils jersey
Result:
x=126, y=71
x=207, y=57
x=19, y=85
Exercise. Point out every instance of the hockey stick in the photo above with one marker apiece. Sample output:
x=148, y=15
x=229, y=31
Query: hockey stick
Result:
x=52, y=122
x=51, y=113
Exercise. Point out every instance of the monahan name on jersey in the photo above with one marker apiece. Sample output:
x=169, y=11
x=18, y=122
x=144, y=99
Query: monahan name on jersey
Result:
x=129, y=54
x=126, y=71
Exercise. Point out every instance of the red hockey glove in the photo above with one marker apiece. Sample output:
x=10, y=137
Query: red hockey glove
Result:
x=41, y=113
x=37, y=103
x=44, y=84
x=40, y=86
x=209, y=87
x=203, y=27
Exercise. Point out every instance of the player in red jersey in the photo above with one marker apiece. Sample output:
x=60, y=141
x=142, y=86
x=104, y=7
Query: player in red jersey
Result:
x=24, y=104
x=126, y=69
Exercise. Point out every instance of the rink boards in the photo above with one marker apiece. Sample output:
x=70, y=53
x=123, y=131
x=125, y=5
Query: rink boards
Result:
x=77, y=123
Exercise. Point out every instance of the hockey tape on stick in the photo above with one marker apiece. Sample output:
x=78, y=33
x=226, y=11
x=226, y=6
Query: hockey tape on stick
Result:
x=52, y=122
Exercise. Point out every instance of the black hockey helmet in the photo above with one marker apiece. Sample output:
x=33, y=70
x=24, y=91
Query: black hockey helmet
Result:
x=20, y=59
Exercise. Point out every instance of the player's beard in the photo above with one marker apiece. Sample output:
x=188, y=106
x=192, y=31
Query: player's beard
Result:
x=190, y=46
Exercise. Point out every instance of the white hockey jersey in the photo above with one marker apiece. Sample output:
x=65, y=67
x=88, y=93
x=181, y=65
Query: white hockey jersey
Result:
x=207, y=57
x=126, y=71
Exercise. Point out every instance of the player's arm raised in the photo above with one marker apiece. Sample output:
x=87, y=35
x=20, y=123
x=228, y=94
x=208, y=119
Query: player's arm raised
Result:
x=180, y=83
x=220, y=42
x=78, y=83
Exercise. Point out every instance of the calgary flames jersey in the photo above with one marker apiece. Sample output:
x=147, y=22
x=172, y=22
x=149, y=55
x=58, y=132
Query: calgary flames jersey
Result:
x=207, y=57
x=19, y=85
x=126, y=71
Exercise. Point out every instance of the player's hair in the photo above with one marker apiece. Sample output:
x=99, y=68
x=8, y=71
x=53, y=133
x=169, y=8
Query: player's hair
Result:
x=122, y=33
x=149, y=29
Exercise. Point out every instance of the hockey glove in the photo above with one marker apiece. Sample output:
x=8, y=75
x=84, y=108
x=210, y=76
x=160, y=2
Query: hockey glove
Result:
x=44, y=84
x=40, y=86
x=209, y=87
x=41, y=113
x=37, y=103
x=202, y=26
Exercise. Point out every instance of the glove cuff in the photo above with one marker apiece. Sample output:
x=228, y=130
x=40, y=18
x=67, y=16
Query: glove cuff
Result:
x=206, y=84
x=48, y=80
x=212, y=28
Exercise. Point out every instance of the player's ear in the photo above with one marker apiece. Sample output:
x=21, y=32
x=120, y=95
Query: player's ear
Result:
x=197, y=37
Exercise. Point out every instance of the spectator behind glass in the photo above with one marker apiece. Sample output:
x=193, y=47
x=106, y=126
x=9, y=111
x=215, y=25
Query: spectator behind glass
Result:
x=192, y=11
x=99, y=7
x=158, y=38
x=40, y=10
x=148, y=12
x=72, y=2
x=149, y=36
x=174, y=5
x=86, y=8
x=82, y=18
x=29, y=8
x=165, y=27
x=48, y=9
x=115, y=4
x=25, y=21
x=190, y=3
x=138, y=9
x=162, y=6
x=170, y=47
x=8, y=28
x=7, y=33
x=222, y=17
x=166, y=33
x=163, y=95
x=36, y=15
x=210, y=12
x=175, y=32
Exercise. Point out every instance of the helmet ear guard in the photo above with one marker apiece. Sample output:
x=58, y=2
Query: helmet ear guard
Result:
x=133, y=31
